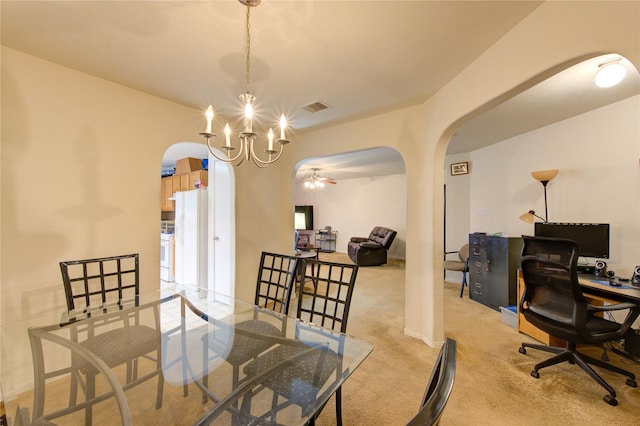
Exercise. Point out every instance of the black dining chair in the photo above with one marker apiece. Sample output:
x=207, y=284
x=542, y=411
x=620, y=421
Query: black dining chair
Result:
x=439, y=387
x=324, y=300
x=276, y=277
x=109, y=283
x=553, y=302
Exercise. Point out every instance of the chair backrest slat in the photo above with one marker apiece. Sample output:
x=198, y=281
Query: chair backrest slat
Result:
x=326, y=298
x=90, y=282
x=276, y=276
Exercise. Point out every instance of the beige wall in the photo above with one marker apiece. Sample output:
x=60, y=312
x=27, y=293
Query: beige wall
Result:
x=597, y=154
x=80, y=176
x=352, y=207
x=80, y=160
x=554, y=36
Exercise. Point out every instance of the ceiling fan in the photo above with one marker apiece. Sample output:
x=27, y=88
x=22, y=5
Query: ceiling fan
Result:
x=315, y=181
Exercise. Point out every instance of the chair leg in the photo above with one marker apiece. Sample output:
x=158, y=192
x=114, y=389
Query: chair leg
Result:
x=574, y=357
x=607, y=366
x=565, y=355
x=339, y=406
x=160, y=390
x=591, y=372
x=540, y=347
x=464, y=283
x=90, y=395
x=205, y=369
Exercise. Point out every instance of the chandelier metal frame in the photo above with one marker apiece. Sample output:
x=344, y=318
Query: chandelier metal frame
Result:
x=248, y=137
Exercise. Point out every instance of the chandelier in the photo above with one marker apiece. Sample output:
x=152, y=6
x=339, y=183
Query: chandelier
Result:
x=315, y=181
x=247, y=137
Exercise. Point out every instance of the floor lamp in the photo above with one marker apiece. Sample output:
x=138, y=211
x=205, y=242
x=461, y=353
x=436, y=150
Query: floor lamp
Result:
x=544, y=177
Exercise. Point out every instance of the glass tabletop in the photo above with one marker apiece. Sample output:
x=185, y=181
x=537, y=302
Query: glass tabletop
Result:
x=172, y=357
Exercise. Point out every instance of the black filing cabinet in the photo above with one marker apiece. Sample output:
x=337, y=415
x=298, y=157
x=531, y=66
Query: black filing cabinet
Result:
x=493, y=266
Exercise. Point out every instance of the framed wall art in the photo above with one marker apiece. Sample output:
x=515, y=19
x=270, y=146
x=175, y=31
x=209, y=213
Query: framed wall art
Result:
x=459, y=168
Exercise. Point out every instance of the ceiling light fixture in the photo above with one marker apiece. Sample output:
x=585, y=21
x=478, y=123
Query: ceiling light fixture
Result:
x=314, y=181
x=610, y=73
x=248, y=136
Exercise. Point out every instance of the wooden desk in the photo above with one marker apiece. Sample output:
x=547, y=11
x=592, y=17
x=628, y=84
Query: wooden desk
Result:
x=595, y=293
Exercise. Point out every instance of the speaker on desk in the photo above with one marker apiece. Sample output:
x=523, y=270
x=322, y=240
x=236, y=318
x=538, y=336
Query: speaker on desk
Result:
x=635, y=279
x=600, y=268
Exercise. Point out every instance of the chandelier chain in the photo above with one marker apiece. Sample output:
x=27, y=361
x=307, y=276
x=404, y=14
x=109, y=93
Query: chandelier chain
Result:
x=248, y=52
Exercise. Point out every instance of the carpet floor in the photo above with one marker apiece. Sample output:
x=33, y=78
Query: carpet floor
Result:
x=492, y=386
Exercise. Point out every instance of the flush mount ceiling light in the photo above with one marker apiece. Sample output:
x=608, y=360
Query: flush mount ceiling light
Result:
x=610, y=73
x=248, y=137
x=315, y=181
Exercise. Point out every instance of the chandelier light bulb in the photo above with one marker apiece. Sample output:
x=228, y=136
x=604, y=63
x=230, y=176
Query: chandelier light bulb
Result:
x=283, y=125
x=227, y=134
x=610, y=74
x=270, y=136
x=209, y=116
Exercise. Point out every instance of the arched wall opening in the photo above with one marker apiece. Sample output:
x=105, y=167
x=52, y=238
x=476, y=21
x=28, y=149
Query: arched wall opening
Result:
x=369, y=191
x=498, y=187
x=198, y=222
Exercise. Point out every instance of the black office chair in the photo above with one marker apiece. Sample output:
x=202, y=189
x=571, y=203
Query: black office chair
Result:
x=95, y=283
x=324, y=301
x=553, y=302
x=276, y=277
x=439, y=387
x=460, y=265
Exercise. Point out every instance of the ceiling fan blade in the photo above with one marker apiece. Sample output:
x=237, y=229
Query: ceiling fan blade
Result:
x=328, y=180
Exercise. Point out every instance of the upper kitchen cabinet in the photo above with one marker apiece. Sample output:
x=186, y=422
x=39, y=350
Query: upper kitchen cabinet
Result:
x=181, y=182
x=167, y=193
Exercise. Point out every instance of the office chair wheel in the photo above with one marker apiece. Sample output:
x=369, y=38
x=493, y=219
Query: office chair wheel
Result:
x=522, y=350
x=632, y=383
x=610, y=400
x=535, y=374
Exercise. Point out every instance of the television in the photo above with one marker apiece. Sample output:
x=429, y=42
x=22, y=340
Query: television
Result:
x=592, y=238
x=304, y=218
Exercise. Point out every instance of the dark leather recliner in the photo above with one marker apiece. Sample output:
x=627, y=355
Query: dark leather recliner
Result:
x=371, y=250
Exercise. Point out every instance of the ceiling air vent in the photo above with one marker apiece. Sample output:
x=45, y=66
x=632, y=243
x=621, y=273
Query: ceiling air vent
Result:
x=315, y=106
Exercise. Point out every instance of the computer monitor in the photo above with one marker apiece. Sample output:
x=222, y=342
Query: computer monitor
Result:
x=592, y=238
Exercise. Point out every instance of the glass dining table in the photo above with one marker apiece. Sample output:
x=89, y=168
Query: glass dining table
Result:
x=172, y=357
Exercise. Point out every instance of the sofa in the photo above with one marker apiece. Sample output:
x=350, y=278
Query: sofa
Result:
x=371, y=250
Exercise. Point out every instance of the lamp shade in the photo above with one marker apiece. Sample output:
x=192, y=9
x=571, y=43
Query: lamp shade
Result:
x=544, y=175
x=527, y=217
x=530, y=216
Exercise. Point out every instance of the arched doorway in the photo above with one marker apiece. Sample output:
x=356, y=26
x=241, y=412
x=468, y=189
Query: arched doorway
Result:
x=541, y=128
x=214, y=242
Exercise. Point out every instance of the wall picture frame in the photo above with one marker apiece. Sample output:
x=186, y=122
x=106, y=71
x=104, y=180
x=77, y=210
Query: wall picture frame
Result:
x=459, y=168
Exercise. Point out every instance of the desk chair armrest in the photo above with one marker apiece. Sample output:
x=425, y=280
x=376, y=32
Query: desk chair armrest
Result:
x=450, y=252
x=615, y=307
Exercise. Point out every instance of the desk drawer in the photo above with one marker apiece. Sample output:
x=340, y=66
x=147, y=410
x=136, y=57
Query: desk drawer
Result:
x=477, y=240
x=477, y=267
x=479, y=291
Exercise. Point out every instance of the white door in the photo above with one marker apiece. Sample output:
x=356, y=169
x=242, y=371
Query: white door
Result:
x=221, y=228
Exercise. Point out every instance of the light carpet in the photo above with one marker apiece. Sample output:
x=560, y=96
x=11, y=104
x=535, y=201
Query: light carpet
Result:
x=492, y=386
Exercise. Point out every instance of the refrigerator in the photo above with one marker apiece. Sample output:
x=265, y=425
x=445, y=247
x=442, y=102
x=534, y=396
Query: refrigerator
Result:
x=191, y=220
